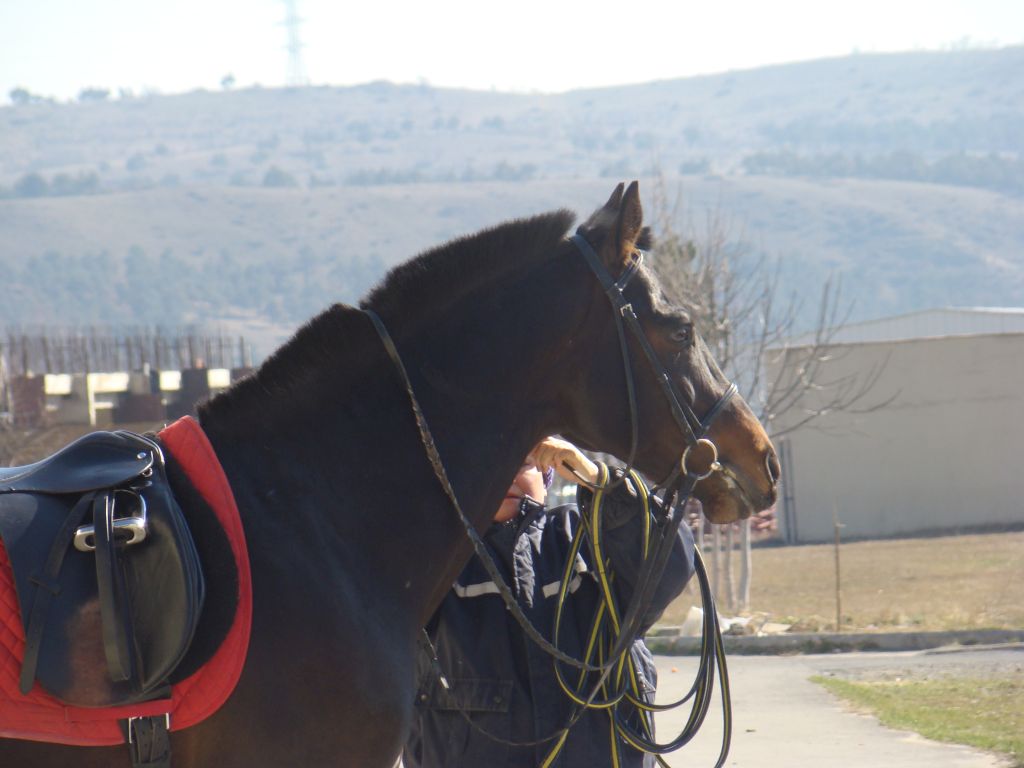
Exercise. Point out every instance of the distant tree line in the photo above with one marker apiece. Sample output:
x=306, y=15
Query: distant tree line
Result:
x=996, y=132
x=281, y=284
x=60, y=185
x=500, y=171
x=32, y=185
x=991, y=171
x=20, y=96
x=55, y=350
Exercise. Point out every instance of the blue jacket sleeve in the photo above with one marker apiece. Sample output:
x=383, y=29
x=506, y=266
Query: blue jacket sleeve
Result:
x=622, y=545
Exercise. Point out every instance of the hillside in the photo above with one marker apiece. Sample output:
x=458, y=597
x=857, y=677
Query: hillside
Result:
x=253, y=209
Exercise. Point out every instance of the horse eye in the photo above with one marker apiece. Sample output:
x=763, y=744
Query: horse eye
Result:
x=683, y=335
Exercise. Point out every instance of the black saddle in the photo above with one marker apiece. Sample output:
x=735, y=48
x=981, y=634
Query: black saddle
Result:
x=108, y=579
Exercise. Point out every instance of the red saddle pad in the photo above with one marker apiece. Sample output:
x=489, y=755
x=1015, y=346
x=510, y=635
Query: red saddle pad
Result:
x=40, y=717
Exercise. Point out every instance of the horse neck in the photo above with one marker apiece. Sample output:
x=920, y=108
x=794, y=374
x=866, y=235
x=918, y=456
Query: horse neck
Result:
x=345, y=458
x=488, y=396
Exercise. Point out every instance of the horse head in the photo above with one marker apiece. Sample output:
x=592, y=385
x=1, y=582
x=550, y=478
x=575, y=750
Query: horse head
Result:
x=670, y=361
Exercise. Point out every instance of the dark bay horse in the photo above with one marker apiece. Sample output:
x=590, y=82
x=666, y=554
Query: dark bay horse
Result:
x=507, y=336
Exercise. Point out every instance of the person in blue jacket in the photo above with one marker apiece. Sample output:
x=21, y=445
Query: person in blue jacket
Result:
x=501, y=687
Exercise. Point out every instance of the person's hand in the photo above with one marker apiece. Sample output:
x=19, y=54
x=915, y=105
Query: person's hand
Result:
x=764, y=521
x=564, y=458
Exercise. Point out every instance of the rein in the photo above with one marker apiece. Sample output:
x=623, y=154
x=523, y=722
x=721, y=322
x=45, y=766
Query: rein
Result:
x=711, y=652
x=678, y=487
x=478, y=544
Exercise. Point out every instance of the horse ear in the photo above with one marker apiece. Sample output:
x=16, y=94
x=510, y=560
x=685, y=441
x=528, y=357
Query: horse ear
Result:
x=615, y=201
x=629, y=228
x=616, y=229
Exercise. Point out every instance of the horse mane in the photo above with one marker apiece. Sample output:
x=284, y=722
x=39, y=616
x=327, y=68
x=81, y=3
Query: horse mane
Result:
x=325, y=351
x=460, y=266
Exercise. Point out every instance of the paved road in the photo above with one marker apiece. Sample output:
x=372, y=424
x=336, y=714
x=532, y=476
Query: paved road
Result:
x=781, y=720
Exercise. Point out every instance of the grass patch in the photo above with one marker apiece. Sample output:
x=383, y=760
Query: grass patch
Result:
x=981, y=712
x=938, y=583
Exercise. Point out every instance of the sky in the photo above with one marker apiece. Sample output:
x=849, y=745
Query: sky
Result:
x=57, y=48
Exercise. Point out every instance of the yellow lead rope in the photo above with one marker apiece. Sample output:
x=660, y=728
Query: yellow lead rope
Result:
x=602, y=638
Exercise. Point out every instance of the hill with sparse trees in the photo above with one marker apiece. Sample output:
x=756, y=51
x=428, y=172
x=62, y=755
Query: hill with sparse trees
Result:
x=252, y=209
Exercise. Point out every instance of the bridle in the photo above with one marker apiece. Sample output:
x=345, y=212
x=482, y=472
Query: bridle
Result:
x=690, y=424
x=678, y=487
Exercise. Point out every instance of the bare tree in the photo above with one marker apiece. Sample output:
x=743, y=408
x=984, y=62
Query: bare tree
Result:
x=737, y=300
x=10, y=442
x=10, y=439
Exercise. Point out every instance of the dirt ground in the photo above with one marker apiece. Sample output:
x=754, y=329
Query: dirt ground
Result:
x=935, y=583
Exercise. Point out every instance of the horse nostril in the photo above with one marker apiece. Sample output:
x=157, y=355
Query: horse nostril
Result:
x=774, y=468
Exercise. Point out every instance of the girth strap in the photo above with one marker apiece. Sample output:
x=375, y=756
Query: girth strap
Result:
x=46, y=589
x=149, y=741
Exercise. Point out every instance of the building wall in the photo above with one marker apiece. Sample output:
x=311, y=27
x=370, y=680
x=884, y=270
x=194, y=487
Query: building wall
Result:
x=944, y=454
x=103, y=399
x=929, y=323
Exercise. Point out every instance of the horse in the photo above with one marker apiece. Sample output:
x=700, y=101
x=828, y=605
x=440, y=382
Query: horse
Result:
x=506, y=336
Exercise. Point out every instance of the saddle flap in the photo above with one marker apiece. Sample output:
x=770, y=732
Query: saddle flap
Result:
x=154, y=598
x=97, y=460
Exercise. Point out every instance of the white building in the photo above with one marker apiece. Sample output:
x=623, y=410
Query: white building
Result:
x=93, y=398
x=944, y=451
